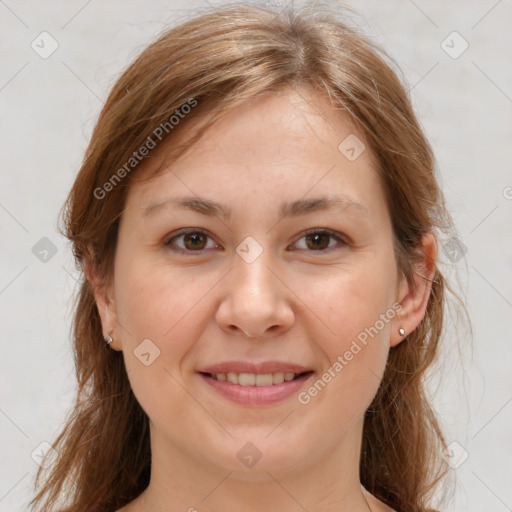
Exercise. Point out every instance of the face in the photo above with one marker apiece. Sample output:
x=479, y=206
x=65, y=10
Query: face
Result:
x=271, y=274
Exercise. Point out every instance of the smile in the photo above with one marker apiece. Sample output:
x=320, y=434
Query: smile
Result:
x=254, y=379
x=256, y=389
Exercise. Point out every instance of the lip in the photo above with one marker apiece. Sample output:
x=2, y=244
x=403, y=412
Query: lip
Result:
x=256, y=395
x=257, y=368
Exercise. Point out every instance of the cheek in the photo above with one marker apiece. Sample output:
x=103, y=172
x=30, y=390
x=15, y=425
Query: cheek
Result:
x=355, y=307
x=164, y=306
x=349, y=300
x=160, y=303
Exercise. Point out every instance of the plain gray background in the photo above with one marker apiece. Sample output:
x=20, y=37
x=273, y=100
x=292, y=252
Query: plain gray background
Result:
x=49, y=107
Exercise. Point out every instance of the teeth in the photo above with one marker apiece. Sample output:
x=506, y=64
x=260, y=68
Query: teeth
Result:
x=277, y=378
x=232, y=377
x=252, y=379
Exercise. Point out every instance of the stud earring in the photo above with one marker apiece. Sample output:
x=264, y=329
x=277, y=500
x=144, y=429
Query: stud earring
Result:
x=109, y=340
x=401, y=331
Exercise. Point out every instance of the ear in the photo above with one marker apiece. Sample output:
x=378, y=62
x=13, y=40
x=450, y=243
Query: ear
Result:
x=414, y=293
x=104, y=301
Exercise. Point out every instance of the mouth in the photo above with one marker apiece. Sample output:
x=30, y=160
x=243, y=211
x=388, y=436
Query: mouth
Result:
x=252, y=389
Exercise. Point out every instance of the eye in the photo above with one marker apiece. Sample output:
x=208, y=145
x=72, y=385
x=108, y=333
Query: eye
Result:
x=318, y=239
x=194, y=240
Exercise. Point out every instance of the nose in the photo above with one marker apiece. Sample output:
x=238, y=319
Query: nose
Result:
x=256, y=301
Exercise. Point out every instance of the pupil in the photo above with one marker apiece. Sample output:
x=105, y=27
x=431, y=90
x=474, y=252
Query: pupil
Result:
x=195, y=237
x=315, y=237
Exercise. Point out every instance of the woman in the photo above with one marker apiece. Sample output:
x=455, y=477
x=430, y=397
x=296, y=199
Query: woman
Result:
x=256, y=221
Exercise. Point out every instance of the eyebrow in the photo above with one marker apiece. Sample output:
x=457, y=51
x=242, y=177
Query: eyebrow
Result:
x=290, y=209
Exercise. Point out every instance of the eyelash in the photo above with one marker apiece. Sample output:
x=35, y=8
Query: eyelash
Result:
x=312, y=231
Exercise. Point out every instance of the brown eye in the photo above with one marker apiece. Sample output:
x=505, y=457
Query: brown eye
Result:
x=192, y=241
x=319, y=240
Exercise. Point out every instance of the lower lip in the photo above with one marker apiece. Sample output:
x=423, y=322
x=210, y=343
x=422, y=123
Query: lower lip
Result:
x=257, y=395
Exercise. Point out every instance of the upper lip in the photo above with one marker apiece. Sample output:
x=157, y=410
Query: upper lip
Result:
x=257, y=368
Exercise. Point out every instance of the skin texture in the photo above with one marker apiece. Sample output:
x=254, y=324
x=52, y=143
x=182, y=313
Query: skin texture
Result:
x=294, y=303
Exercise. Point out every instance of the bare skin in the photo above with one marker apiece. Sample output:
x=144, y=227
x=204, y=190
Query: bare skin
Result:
x=296, y=302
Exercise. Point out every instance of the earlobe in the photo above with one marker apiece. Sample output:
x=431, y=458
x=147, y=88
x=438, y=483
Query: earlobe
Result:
x=104, y=303
x=414, y=293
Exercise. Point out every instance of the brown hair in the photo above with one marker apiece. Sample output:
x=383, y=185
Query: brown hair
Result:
x=218, y=60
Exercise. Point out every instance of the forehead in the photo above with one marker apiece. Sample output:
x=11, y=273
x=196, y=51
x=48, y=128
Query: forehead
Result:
x=273, y=144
